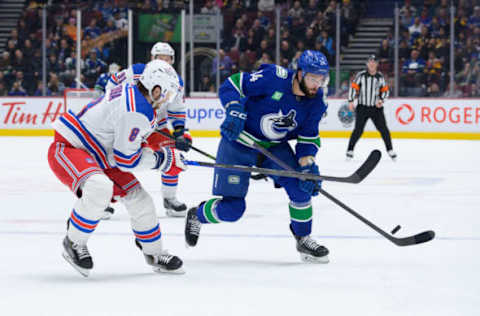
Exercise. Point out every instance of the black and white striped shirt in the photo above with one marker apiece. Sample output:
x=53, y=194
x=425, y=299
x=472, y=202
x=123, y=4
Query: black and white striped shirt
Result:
x=368, y=88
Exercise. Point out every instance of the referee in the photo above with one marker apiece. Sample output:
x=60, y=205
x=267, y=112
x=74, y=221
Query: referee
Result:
x=371, y=90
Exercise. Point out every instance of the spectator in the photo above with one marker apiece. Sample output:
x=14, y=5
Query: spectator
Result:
x=120, y=22
x=28, y=49
x=456, y=92
x=93, y=68
x=416, y=27
x=17, y=90
x=296, y=11
x=265, y=59
x=92, y=29
x=266, y=5
x=225, y=66
x=55, y=86
x=208, y=8
x=206, y=84
x=264, y=49
x=327, y=42
x=385, y=53
x=19, y=63
x=39, y=89
x=408, y=9
x=3, y=89
x=474, y=20
x=109, y=27
x=71, y=29
x=286, y=51
x=311, y=11
x=309, y=39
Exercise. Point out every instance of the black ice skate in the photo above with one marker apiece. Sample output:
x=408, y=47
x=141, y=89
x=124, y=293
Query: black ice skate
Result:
x=163, y=263
x=192, y=227
x=174, y=207
x=78, y=256
x=309, y=250
x=107, y=213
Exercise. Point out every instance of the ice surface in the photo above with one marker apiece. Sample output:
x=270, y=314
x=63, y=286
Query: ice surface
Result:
x=251, y=267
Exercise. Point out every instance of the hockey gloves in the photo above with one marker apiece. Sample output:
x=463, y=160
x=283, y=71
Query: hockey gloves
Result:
x=183, y=140
x=310, y=186
x=233, y=124
x=170, y=161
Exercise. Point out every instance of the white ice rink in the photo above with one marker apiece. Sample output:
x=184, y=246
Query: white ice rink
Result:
x=251, y=267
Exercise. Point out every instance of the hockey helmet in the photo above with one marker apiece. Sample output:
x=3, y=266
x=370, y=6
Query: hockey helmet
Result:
x=312, y=61
x=113, y=68
x=161, y=48
x=160, y=73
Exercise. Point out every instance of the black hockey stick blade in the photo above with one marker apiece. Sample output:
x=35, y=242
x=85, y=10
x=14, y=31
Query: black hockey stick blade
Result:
x=419, y=238
x=367, y=166
x=361, y=173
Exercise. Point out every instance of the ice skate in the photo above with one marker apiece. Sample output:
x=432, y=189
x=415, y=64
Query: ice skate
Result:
x=349, y=155
x=174, y=208
x=192, y=227
x=392, y=154
x=310, y=251
x=78, y=256
x=164, y=262
x=107, y=213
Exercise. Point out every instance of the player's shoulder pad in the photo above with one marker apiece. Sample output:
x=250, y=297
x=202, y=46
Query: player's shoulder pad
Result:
x=136, y=102
x=138, y=68
x=270, y=71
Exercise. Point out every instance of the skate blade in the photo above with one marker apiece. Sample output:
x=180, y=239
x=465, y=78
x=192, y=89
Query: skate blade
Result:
x=82, y=271
x=311, y=259
x=163, y=270
x=172, y=213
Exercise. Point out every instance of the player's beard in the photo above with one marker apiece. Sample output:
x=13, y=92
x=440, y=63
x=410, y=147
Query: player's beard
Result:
x=305, y=90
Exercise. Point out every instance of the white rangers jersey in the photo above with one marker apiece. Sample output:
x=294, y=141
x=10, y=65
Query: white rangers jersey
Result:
x=112, y=129
x=174, y=112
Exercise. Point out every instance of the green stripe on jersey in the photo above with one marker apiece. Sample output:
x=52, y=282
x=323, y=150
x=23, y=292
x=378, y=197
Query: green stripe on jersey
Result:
x=236, y=81
x=309, y=140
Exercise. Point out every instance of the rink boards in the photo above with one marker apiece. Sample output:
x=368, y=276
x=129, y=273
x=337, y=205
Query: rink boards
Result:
x=406, y=117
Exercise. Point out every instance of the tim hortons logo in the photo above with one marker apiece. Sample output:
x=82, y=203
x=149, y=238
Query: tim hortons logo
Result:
x=16, y=115
x=405, y=114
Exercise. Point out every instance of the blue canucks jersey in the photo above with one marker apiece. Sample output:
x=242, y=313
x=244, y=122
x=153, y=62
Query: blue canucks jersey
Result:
x=102, y=81
x=274, y=113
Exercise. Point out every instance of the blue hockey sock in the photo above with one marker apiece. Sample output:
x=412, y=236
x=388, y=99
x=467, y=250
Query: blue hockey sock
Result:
x=206, y=212
x=301, y=218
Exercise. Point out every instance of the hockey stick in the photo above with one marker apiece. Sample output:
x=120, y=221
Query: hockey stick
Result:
x=405, y=241
x=354, y=178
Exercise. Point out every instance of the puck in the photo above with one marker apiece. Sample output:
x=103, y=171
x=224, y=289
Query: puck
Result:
x=396, y=229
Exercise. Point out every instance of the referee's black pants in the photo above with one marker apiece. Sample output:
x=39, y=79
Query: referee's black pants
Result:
x=362, y=114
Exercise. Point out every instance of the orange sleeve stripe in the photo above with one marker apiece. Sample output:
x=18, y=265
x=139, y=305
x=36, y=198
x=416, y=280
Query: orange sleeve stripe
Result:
x=384, y=88
x=355, y=86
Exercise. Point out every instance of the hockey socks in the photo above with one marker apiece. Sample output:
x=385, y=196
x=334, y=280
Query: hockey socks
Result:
x=206, y=212
x=301, y=218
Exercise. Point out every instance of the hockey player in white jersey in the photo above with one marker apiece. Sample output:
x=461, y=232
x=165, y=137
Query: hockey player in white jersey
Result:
x=94, y=152
x=174, y=113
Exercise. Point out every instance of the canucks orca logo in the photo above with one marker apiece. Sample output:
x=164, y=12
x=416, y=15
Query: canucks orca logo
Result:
x=277, y=125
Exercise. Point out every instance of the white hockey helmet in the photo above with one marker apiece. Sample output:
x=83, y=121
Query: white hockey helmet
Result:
x=113, y=68
x=160, y=73
x=162, y=48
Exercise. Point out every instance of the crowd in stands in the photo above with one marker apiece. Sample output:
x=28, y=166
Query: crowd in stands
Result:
x=248, y=40
x=424, y=49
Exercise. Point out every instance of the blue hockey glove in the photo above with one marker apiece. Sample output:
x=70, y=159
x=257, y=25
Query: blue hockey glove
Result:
x=310, y=186
x=183, y=140
x=234, y=122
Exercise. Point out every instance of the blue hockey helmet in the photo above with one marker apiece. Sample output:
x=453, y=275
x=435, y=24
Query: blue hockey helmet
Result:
x=312, y=61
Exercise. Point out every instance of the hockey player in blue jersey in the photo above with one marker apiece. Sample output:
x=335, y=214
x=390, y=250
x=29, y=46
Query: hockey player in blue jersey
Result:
x=269, y=107
x=102, y=80
x=174, y=113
